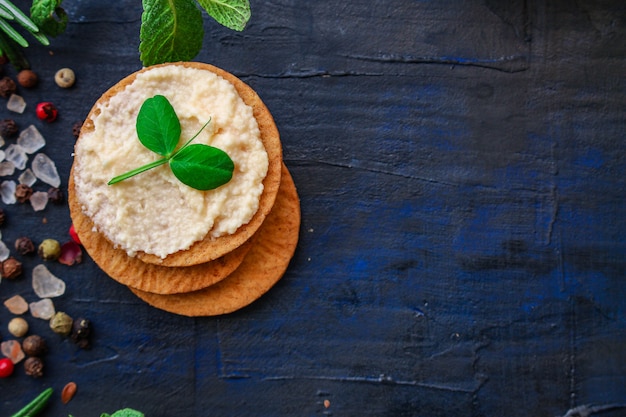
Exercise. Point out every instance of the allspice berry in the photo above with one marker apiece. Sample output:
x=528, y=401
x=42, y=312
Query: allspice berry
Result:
x=7, y=87
x=33, y=366
x=10, y=268
x=61, y=323
x=8, y=128
x=49, y=250
x=27, y=78
x=24, y=246
x=34, y=345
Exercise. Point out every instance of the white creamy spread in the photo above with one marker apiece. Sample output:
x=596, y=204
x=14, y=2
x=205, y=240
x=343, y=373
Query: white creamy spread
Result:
x=154, y=212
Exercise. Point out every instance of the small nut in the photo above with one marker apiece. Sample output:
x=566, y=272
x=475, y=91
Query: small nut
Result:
x=33, y=366
x=11, y=268
x=18, y=327
x=27, y=78
x=24, y=246
x=61, y=323
x=65, y=78
x=34, y=345
x=49, y=250
x=69, y=390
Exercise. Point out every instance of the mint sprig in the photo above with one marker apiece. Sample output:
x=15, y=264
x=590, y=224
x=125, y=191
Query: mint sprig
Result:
x=199, y=166
x=172, y=30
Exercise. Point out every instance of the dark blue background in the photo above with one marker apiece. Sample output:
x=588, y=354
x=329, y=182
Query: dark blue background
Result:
x=461, y=168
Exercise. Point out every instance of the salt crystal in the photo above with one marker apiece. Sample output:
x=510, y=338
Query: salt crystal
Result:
x=12, y=350
x=30, y=139
x=1, y=141
x=42, y=309
x=45, y=169
x=16, y=154
x=16, y=104
x=39, y=200
x=7, y=192
x=45, y=284
x=27, y=177
x=16, y=304
x=4, y=251
x=2, y=154
x=6, y=168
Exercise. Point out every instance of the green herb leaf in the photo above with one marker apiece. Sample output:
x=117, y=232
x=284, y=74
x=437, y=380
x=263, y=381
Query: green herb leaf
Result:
x=234, y=14
x=158, y=127
x=202, y=167
x=171, y=30
x=49, y=16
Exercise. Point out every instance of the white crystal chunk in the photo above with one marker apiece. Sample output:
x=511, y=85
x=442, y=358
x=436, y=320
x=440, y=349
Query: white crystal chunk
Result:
x=4, y=252
x=45, y=284
x=42, y=309
x=31, y=140
x=6, y=168
x=27, y=177
x=45, y=169
x=2, y=154
x=7, y=192
x=16, y=104
x=39, y=200
x=15, y=153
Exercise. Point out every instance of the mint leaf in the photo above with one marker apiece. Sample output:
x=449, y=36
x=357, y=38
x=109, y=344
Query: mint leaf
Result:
x=171, y=30
x=234, y=14
x=127, y=412
x=49, y=16
x=158, y=127
x=202, y=167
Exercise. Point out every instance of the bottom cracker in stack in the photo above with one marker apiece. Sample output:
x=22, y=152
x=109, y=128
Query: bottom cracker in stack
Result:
x=216, y=275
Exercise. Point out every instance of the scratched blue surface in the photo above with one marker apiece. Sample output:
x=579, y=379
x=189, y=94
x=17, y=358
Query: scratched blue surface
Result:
x=461, y=168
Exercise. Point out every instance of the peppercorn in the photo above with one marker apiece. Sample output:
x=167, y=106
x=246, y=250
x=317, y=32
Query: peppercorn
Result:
x=23, y=193
x=7, y=87
x=24, y=246
x=27, y=78
x=65, y=78
x=8, y=128
x=55, y=195
x=81, y=332
x=10, y=268
x=34, y=345
x=76, y=128
x=61, y=323
x=46, y=111
x=18, y=327
x=49, y=250
x=33, y=366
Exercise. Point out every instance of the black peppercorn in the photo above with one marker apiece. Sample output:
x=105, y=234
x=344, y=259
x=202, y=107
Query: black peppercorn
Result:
x=24, y=246
x=55, y=195
x=23, y=193
x=8, y=128
x=81, y=332
x=7, y=87
x=34, y=345
x=33, y=366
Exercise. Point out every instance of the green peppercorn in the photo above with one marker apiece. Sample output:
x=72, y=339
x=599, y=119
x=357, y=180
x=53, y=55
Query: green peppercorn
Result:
x=61, y=323
x=49, y=250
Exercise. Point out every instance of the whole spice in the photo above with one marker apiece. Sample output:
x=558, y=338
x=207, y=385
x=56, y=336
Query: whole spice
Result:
x=27, y=78
x=69, y=390
x=11, y=268
x=55, y=195
x=6, y=367
x=23, y=193
x=34, y=345
x=49, y=250
x=81, y=332
x=18, y=327
x=47, y=111
x=24, y=246
x=61, y=323
x=7, y=87
x=8, y=128
x=65, y=78
x=33, y=366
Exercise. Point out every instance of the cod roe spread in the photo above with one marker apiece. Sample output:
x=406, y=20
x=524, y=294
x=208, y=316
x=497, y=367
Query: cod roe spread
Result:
x=154, y=212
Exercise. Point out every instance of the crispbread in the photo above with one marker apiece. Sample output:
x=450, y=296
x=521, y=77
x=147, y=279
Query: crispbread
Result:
x=272, y=249
x=210, y=249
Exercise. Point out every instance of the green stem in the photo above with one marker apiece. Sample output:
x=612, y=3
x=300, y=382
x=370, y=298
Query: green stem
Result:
x=139, y=170
x=192, y=138
x=36, y=405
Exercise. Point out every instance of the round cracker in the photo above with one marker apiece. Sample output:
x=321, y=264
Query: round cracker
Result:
x=213, y=248
x=266, y=262
x=149, y=277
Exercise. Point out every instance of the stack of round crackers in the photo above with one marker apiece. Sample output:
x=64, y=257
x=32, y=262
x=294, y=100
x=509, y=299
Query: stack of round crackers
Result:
x=215, y=275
